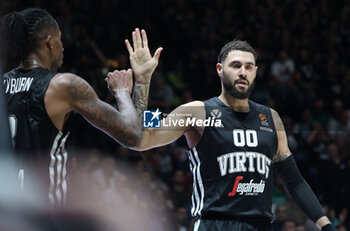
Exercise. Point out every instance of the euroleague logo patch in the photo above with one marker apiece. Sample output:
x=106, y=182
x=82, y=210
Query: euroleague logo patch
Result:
x=263, y=120
x=263, y=117
x=248, y=189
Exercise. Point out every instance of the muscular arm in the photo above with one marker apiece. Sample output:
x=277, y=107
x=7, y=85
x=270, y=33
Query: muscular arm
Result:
x=122, y=125
x=156, y=137
x=283, y=151
x=287, y=169
x=143, y=66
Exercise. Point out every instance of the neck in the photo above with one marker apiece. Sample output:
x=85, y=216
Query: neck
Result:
x=33, y=61
x=238, y=105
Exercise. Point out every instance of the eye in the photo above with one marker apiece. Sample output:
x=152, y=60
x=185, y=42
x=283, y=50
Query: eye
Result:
x=249, y=67
x=236, y=65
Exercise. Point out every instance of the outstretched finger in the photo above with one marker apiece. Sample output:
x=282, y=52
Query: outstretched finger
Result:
x=157, y=53
x=138, y=38
x=128, y=46
x=134, y=40
x=144, y=38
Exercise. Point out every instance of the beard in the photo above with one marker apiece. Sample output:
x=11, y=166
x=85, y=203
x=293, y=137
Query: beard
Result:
x=58, y=63
x=234, y=92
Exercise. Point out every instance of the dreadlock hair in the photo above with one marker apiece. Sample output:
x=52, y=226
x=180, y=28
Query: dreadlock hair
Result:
x=21, y=33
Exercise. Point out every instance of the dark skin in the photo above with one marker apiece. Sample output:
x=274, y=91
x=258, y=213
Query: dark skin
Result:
x=68, y=92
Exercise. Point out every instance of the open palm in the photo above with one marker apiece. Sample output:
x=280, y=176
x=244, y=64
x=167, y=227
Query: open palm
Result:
x=142, y=63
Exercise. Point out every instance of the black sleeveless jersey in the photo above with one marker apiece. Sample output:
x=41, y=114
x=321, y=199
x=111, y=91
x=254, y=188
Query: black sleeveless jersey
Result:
x=232, y=165
x=39, y=145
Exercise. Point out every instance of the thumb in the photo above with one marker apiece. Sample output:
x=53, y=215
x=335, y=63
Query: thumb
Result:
x=157, y=53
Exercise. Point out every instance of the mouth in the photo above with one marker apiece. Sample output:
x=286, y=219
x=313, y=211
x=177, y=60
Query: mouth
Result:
x=241, y=83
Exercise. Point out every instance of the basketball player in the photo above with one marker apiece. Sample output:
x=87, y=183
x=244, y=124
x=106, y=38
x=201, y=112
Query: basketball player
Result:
x=40, y=100
x=235, y=146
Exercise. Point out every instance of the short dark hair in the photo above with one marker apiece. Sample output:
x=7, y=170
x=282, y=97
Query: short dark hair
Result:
x=21, y=32
x=234, y=45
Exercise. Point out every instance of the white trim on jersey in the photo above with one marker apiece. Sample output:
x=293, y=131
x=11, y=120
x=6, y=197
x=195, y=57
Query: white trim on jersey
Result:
x=198, y=192
x=200, y=182
x=195, y=196
x=64, y=169
x=59, y=168
x=192, y=196
x=58, y=153
x=51, y=167
x=196, y=225
x=64, y=173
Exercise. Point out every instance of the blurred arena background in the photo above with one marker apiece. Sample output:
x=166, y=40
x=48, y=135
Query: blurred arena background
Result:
x=304, y=73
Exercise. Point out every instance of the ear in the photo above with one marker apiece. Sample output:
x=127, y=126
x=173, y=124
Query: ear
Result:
x=219, y=69
x=256, y=70
x=49, y=42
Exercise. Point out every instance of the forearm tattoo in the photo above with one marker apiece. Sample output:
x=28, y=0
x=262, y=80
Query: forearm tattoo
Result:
x=140, y=97
x=282, y=140
x=122, y=125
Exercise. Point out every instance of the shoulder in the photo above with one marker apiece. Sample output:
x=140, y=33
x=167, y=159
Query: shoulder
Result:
x=260, y=106
x=277, y=120
x=13, y=73
x=274, y=113
x=192, y=107
x=8, y=74
x=66, y=79
x=69, y=81
x=70, y=85
x=276, y=117
x=196, y=103
x=189, y=110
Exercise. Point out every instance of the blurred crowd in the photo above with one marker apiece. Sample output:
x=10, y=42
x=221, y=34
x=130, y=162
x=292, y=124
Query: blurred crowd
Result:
x=303, y=51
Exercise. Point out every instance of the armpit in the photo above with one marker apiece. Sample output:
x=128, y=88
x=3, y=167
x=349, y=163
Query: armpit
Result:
x=279, y=156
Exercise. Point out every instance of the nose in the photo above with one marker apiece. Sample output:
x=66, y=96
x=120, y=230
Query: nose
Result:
x=242, y=72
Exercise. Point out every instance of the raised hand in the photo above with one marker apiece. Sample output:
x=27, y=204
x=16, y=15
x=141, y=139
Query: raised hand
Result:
x=142, y=63
x=119, y=81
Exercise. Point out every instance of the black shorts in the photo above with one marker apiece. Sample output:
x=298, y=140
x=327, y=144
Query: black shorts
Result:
x=228, y=225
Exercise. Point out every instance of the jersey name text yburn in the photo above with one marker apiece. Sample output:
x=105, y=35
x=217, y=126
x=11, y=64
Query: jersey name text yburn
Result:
x=13, y=86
